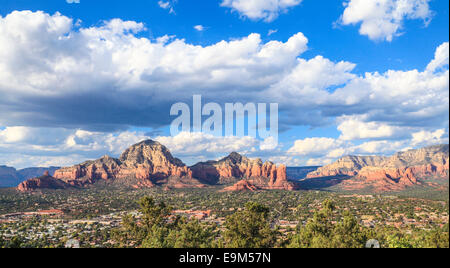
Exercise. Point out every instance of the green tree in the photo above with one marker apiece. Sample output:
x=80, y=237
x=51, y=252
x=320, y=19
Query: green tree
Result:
x=192, y=234
x=159, y=229
x=399, y=240
x=437, y=239
x=250, y=228
x=149, y=228
x=348, y=233
x=322, y=231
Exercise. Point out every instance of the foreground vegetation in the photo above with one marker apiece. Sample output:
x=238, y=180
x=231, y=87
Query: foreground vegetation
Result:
x=251, y=228
x=269, y=219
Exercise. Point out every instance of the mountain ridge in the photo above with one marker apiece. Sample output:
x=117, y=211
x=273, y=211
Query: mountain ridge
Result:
x=394, y=173
x=149, y=163
x=11, y=177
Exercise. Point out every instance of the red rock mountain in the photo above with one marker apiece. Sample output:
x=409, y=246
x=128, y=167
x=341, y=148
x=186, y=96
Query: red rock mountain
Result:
x=150, y=163
x=402, y=170
x=246, y=172
x=145, y=164
x=43, y=182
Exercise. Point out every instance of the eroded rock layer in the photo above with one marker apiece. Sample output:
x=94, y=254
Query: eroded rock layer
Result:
x=236, y=167
x=143, y=165
x=395, y=173
x=43, y=182
x=150, y=163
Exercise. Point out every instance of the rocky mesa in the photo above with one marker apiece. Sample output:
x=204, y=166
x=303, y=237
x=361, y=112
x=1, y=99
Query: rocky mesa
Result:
x=395, y=173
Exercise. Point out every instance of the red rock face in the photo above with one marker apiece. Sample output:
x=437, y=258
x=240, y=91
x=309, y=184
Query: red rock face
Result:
x=149, y=163
x=242, y=185
x=44, y=182
x=105, y=168
x=143, y=165
x=235, y=167
x=396, y=173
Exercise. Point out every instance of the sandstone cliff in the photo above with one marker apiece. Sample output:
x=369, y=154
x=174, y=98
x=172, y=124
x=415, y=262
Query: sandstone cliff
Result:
x=105, y=168
x=236, y=167
x=347, y=166
x=143, y=165
x=149, y=163
x=44, y=182
x=395, y=173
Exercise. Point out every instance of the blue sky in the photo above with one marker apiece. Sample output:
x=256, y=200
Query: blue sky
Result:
x=310, y=17
x=345, y=90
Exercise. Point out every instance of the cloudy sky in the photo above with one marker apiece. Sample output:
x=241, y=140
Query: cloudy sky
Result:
x=81, y=80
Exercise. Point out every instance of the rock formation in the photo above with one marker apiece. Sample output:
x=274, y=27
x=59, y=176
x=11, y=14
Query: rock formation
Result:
x=243, y=185
x=44, y=182
x=347, y=166
x=105, y=168
x=149, y=163
x=236, y=167
x=10, y=177
x=143, y=165
x=395, y=173
x=150, y=160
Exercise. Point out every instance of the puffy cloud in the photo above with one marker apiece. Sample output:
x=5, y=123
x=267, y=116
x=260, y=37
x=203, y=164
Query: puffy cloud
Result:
x=72, y=90
x=424, y=138
x=199, y=146
x=105, y=78
x=380, y=147
x=24, y=161
x=13, y=134
x=383, y=19
x=395, y=98
x=318, y=161
x=321, y=151
x=268, y=144
x=287, y=160
x=27, y=146
x=314, y=146
x=267, y=10
x=33, y=136
x=354, y=128
x=99, y=142
x=440, y=58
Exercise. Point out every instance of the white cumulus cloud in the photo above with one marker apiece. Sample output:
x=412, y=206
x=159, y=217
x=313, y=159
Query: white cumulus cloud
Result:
x=383, y=19
x=440, y=58
x=267, y=10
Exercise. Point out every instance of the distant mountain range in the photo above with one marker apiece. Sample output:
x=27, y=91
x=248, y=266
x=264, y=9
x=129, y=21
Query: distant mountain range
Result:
x=149, y=164
x=10, y=177
x=427, y=167
x=298, y=173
